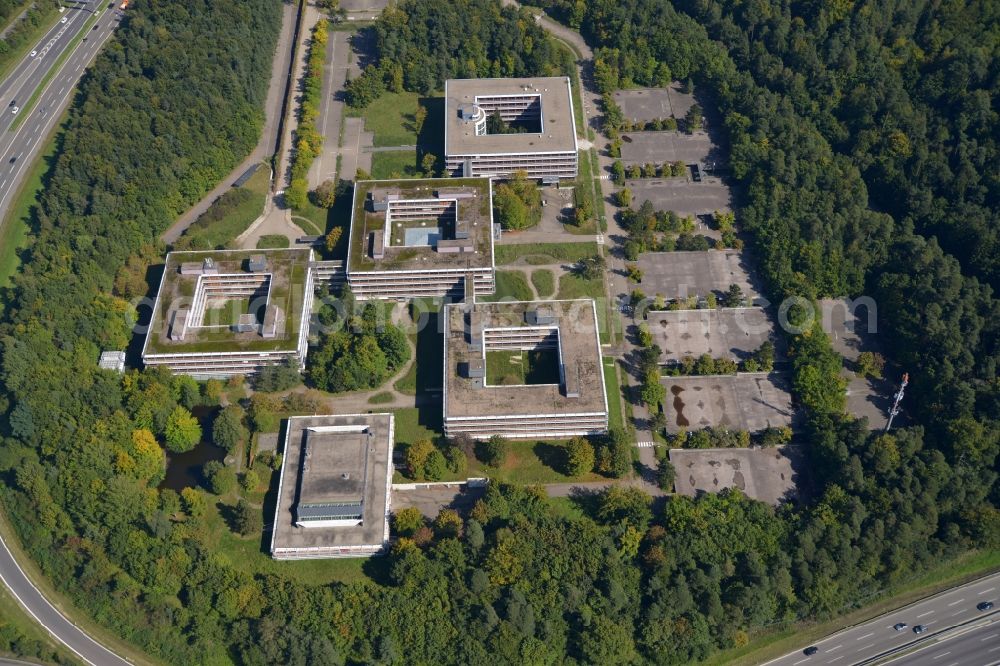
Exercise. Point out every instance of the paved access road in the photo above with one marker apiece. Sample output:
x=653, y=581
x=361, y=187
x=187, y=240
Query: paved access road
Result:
x=50, y=618
x=18, y=146
x=864, y=642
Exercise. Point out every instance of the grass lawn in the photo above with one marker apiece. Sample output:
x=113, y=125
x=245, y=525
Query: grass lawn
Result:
x=412, y=425
x=545, y=253
x=612, y=388
x=510, y=285
x=407, y=384
x=395, y=164
x=272, y=242
x=381, y=398
x=544, y=282
x=229, y=215
x=567, y=507
x=769, y=645
x=312, y=219
x=509, y=367
x=504, y=368
x=530, y=462
x=391, y=118
x=573, y=286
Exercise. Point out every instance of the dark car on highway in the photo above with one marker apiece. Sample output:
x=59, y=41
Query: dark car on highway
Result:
x=919, y=629
x=984, y=605
x=810, y=651
x=899, y=626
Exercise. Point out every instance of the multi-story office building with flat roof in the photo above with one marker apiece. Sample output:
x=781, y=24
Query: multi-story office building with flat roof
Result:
x=494, y=127
x=334, y=492
x=523, y=369
x=231, y=312
x=413, y=238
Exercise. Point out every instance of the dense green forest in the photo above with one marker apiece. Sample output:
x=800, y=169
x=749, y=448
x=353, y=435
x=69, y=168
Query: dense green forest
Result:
x=420, y=44
x=611, y=579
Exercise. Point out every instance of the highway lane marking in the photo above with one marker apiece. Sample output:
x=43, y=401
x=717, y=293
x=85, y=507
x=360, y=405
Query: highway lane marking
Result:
x=986, y=638
x=955, y=603
x=836, y=647
x=985, y=591
x=862, y=649
x=800, y=661
x=835, y=659
x=923, y=614
x=994, y=649
x=861, y=638
x=33, y=64
x=89, y=53
x=958, y=612
x=943, y=654
x=49, y=604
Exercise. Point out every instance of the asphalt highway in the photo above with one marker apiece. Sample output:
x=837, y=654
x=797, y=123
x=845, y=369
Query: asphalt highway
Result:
x=47, y=615
x=865, y=642
x=978, y=646
x=19, y=145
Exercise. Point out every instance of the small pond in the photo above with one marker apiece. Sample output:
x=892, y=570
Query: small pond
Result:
x=184, y=469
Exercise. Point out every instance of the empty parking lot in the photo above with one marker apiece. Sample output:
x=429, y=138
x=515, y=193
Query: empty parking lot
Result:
x=740, y=402
x=645, y=104
x=684, y=274
x=767, y=475
x=724, y=333
x=681, y=195
x=660, y=147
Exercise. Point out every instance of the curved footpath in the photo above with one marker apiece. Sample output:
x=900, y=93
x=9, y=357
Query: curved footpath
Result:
x=49, y=617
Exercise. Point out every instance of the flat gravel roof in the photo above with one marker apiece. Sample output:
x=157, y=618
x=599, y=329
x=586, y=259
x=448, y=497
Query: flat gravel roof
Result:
x=579, y=347
x=559, y=132
x=359, y=445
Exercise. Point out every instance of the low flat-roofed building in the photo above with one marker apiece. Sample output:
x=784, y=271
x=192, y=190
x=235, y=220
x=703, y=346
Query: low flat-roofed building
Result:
x=334, y=488
x=537, y=133
x=231, y=312
x=523, y=369
x=112, y=360
x=414, y=238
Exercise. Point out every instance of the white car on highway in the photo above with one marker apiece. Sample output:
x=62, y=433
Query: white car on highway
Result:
x=14, y=110
x=34, y=53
